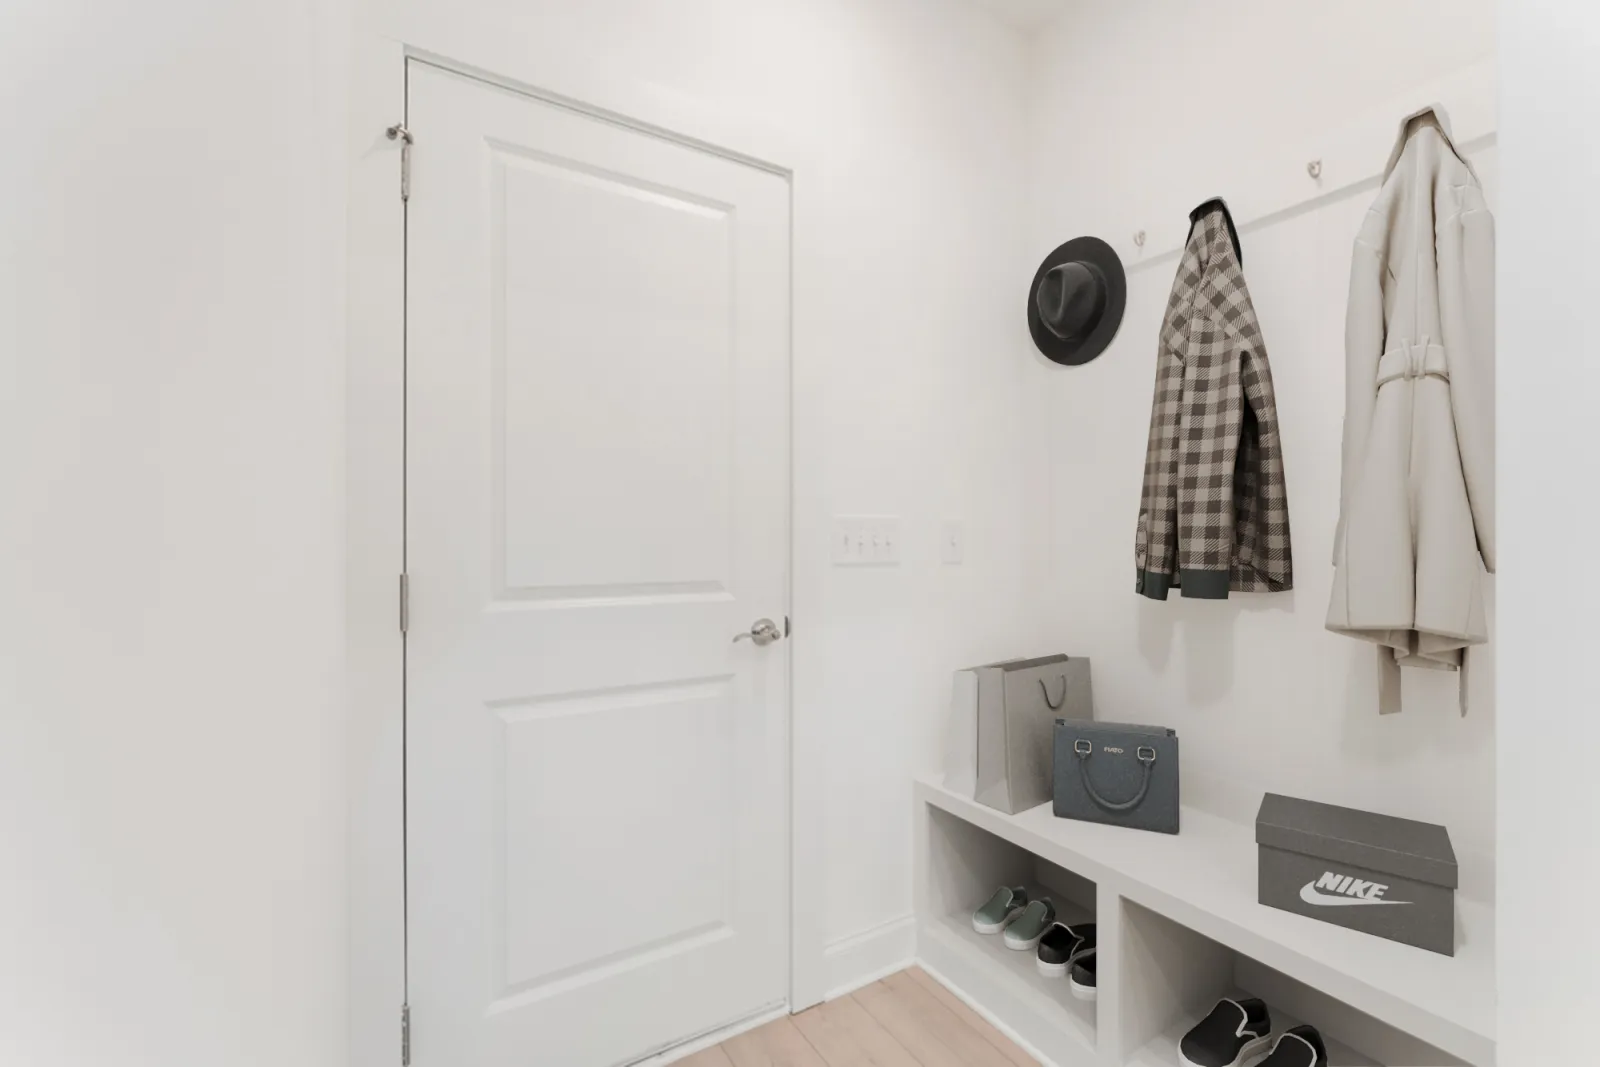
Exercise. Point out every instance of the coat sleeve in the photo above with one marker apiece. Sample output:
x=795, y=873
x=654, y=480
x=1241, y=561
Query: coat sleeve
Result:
x=1466, y=307
x=1363, y=347
x=1273, y=556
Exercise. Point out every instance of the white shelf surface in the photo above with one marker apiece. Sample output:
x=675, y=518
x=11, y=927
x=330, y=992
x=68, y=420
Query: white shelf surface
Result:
x=1205, y=879
x=1051, y=996
x=1163, y=1051
x=1048, y=1015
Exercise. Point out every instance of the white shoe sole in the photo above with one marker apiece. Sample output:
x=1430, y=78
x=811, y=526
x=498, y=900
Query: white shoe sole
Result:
x=995, y=928
x=1051, y=970
x=1253, y=1052
x=1083, y=992
x=1023, y=946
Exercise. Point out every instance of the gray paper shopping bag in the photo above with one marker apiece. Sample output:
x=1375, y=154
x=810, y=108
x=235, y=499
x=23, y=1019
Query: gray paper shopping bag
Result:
x=1018, y=704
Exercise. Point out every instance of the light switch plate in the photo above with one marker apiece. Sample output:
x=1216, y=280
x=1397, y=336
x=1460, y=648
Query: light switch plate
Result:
x=953, y=542
x=866, y=540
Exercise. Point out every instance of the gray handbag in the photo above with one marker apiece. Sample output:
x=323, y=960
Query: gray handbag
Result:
x=1117, y=773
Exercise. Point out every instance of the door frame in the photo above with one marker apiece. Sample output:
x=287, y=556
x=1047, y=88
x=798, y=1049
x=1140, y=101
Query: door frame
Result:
x=375, y=488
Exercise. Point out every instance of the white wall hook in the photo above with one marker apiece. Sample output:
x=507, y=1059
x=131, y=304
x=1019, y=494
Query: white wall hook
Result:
x=1314, y=168
x=1138, y=239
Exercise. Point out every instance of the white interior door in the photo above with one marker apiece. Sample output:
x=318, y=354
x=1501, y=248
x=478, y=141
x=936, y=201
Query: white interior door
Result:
x=597, y=492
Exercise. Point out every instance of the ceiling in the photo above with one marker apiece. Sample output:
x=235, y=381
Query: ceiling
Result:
x=1026, y=14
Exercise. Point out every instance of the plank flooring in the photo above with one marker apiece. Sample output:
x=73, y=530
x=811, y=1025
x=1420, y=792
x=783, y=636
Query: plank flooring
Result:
x=905, y=1020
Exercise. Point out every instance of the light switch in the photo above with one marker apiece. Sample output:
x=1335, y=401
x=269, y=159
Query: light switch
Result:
x=953, y=542
x=866, y=540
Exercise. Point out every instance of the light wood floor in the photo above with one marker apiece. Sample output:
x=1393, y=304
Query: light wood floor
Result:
x=906, y=1020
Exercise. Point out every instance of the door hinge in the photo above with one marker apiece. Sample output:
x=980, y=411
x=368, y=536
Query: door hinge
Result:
x=405, y=603
x=398, y=132
x=405, y=1035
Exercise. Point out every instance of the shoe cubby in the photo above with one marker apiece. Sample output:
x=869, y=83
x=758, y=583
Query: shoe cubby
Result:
x=1170, y=977
x=971, y=864
x=1179, y=928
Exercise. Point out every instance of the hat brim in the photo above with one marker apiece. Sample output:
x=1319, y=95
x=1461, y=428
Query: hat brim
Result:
x=1080, y=350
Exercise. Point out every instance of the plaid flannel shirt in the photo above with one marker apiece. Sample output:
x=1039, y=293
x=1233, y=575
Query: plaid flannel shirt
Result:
x=1214, y=515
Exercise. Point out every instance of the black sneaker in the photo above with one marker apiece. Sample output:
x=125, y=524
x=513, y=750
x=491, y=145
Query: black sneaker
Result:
x=1081, y=975
x=1300, y=1046
x=1060, y=944
x=1233, y=1034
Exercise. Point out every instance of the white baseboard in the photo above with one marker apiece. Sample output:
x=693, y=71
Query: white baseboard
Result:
x=874, y=953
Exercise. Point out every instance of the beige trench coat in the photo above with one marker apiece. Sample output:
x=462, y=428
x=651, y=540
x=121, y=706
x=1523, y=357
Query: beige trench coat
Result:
x=1416, y=508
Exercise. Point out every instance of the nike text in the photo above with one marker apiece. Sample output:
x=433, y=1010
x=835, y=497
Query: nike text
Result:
x=1334, y=890
x=1351, y=887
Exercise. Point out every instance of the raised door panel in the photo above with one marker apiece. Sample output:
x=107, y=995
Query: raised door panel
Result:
x=615, y=316
x=624, y=867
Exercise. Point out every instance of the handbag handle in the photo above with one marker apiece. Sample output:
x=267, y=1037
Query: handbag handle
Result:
x=1054, y=705
x=1147, y=759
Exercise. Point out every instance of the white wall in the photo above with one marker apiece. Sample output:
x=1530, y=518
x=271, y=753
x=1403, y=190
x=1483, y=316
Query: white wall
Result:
x=1129, y=102
x=905, y=119
x=171, y=797
x=1549, y=943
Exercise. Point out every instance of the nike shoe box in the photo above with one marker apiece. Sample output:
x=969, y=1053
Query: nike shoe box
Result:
x=1384, y=876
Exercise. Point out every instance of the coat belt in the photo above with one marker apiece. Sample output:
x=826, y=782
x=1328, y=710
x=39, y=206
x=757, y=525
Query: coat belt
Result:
x=1413, y=359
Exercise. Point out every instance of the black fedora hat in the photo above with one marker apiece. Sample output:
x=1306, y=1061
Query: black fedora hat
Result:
x=1076, y=300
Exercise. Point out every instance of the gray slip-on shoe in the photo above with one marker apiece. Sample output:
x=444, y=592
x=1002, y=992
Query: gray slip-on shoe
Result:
x=999, y=909
x=1026, y=929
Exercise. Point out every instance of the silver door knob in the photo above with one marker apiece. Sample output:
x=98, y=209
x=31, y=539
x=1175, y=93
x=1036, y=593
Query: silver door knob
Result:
x=763, y=632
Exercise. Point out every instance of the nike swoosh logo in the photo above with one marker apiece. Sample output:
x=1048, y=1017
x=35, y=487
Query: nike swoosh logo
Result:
x=1312, y=895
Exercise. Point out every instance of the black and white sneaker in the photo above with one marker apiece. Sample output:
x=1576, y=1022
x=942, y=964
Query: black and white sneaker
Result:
x=1081, y=976
x=1060, y=945
x=1300, y=1046
x=1234, y=1034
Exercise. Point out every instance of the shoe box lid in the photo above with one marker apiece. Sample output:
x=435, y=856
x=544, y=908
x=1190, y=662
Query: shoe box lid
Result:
x=1402, y=847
